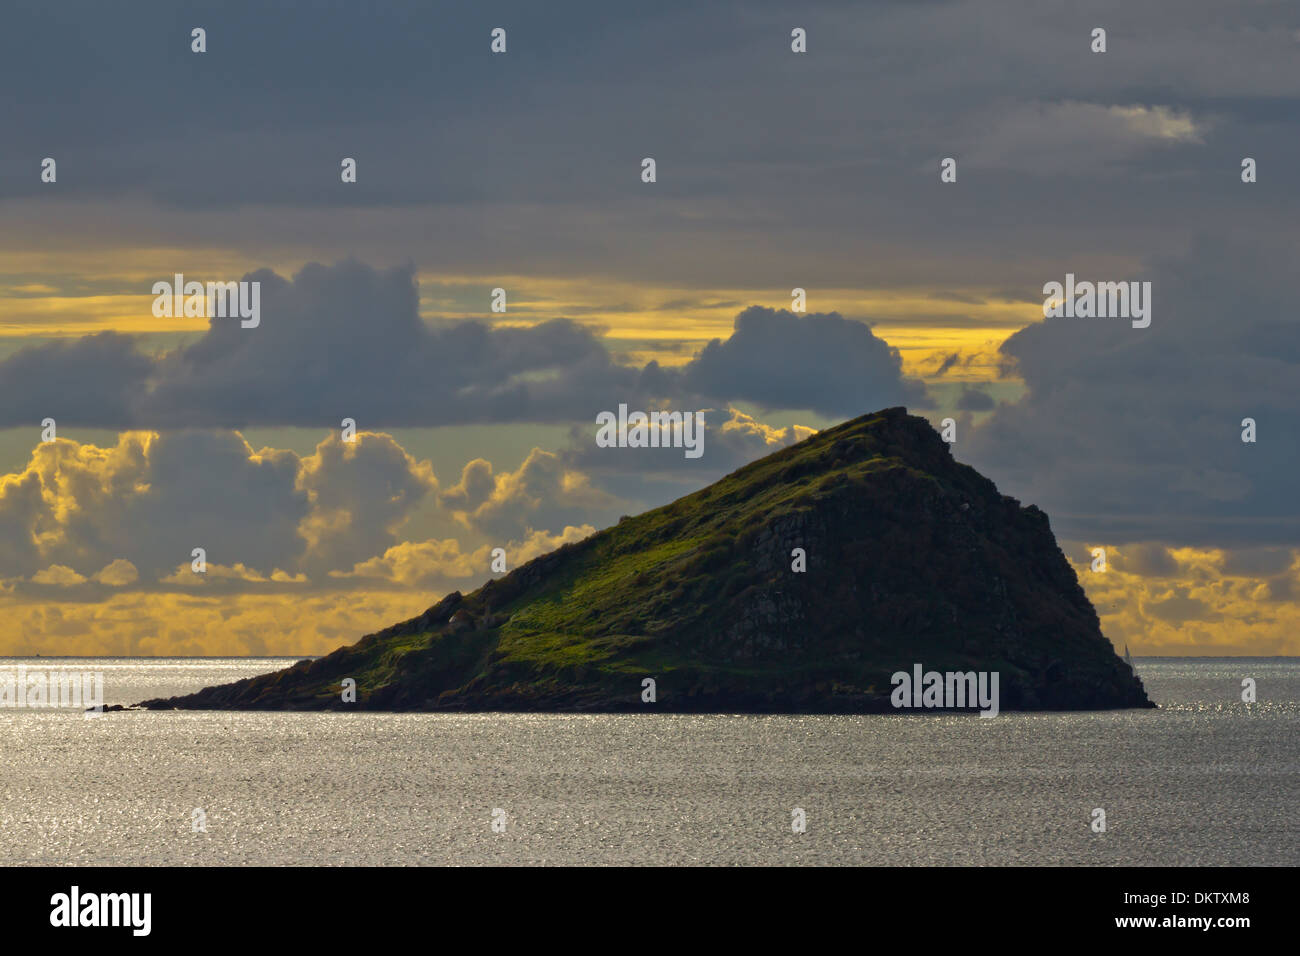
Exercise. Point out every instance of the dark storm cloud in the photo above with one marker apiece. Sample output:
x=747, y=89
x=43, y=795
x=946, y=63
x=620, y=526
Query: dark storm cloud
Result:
x=1135, y=434
x=94, y=381
x=347, y=341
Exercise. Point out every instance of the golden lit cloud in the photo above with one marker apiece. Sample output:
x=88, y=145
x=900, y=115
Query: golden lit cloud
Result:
x=1191, y=601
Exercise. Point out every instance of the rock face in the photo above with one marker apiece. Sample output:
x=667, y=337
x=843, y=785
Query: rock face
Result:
x=910, y=559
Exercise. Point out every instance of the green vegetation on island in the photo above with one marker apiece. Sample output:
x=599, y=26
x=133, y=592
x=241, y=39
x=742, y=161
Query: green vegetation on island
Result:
x=910, y=558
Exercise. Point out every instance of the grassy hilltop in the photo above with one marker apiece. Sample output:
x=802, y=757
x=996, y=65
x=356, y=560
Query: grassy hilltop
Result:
x=911, y=558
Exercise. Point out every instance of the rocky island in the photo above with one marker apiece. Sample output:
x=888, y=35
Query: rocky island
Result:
x=798, y=584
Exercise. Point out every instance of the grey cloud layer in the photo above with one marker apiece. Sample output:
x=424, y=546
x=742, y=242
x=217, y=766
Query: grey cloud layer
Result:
x=770, y=162
x=347, y=341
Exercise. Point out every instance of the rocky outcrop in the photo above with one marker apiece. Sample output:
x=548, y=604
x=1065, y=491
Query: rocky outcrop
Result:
x=799, y=583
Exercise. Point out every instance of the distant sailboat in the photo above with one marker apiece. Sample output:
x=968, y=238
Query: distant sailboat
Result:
x=1128, y=659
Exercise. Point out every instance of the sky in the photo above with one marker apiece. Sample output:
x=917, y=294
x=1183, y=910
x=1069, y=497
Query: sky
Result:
x=522, y=170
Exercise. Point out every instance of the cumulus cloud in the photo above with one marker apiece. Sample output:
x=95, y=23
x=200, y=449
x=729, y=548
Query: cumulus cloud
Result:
x=229, y=578
x=59, y=575
x=544, y=492
x=360, y=492
x=119, y=573
x=354, y=334
x=150, y=500
x=475, y=487
x=441, y=565
x=1135, y=434
x=433, y=564
x=87, y=520
x=819, y=361
x=21, y=499
x=138, y=509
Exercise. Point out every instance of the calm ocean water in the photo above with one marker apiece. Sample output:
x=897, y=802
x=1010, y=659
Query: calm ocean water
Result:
x=1205, y=780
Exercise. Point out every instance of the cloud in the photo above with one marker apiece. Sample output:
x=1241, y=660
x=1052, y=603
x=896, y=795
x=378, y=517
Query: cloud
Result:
x=642, y=478
x=544, y=492
x=1178, y=608
x=354, y=333
x=974, y=400
x=1181, y=600
x=1280, y=588
x=95, y=381
x=475, y=487
x=1135, y=434
x=127, y=623
x=433, y=564
x=359, y=493
x=1258, y=561
x=21, y=499
x=348, y=332
x=440, y=565
x=946, y=363
x=854, y=199
x=229, y=578
x=819, y=361
x=139, y=508
x=1049, y=138
x=87, y=519
x=149, y=500
x=1159, y=123
x=1146, y=559
x=119, y=573
x=347, y=341
x=59, y=575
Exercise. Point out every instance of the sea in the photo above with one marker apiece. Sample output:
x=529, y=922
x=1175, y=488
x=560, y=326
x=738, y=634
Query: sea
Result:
x=1207, y=780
